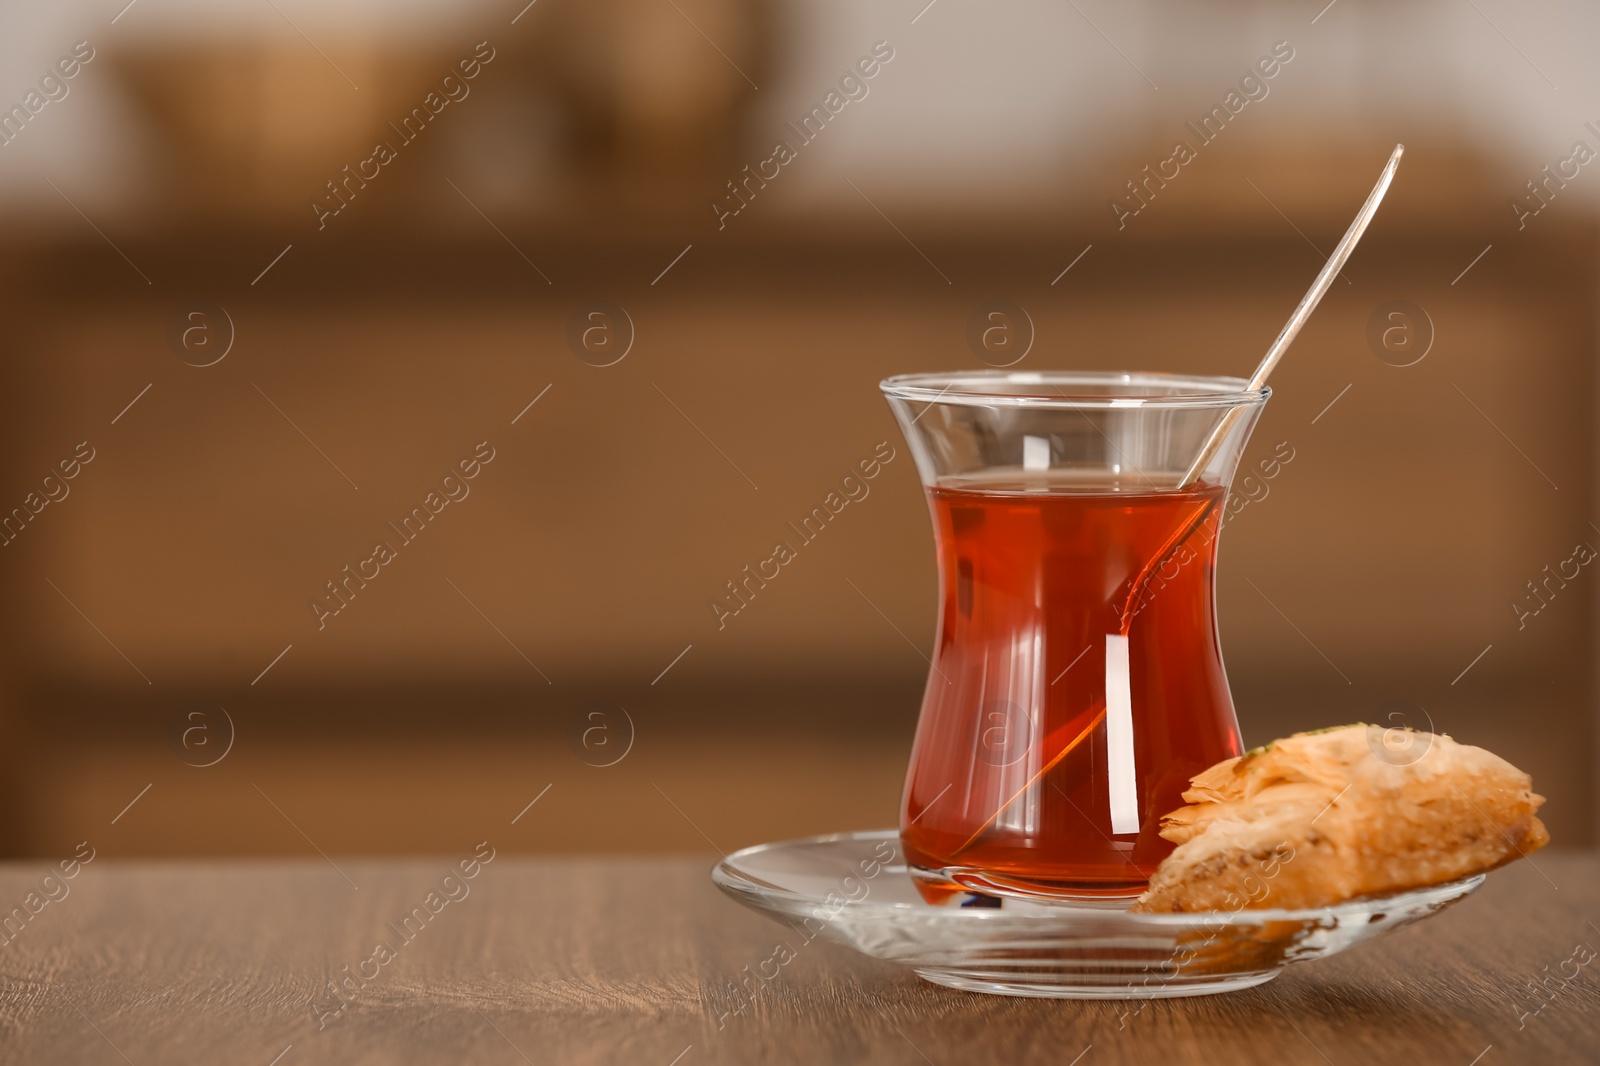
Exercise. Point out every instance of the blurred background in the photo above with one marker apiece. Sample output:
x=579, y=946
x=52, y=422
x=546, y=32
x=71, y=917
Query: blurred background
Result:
x=274, y=268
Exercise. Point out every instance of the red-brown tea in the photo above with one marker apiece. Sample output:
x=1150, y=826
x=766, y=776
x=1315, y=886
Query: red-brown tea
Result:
x=1052, y=599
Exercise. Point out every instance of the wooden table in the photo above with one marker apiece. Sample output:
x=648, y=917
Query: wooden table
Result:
x=619, y=961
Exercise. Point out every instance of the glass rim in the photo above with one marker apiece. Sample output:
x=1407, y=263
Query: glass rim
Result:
x=976, y=388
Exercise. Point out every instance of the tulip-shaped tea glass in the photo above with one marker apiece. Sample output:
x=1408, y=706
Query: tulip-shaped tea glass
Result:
x=1077, y=679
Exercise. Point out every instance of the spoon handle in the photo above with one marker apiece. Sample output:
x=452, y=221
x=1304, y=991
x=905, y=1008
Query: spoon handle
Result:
x=1308, y=304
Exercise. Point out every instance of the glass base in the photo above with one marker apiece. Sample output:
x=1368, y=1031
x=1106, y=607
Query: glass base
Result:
x=938, y=885
x=1080, y=985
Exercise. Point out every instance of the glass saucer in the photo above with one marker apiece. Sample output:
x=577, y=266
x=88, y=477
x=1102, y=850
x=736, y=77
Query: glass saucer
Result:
x=854, y=888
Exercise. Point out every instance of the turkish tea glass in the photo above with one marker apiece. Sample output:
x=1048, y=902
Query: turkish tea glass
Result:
x=1077, y=680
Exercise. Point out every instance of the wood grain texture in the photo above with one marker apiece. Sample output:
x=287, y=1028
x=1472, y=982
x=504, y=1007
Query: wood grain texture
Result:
x=618, y=961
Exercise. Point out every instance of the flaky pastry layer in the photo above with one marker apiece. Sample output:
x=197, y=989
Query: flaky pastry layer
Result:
x=1320, y=818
